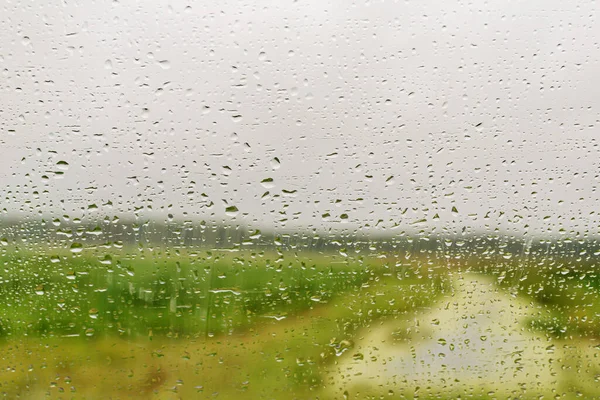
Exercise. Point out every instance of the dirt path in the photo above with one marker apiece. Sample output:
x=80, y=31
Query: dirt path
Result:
x=474, y=341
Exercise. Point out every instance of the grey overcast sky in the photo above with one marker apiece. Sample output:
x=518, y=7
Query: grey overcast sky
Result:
x=378, y=115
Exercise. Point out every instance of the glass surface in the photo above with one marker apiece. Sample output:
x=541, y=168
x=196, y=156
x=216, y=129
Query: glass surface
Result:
x=299, y=199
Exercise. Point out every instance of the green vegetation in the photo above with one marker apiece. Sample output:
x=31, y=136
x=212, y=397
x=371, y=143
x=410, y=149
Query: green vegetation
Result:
x=160, y=293
x=568, y=289
x=275, y=321
x=100, y=320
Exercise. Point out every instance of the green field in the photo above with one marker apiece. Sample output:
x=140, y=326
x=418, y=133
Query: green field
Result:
x=183, y=323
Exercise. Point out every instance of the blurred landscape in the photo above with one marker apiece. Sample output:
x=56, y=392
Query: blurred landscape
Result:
x=116, y=309
x=299, y=200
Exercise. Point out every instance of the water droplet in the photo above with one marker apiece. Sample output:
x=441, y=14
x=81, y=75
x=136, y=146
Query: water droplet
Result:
x=232, y=211
x=267, y=183
x=275, y=163
x=76, y=248
x=93, y=313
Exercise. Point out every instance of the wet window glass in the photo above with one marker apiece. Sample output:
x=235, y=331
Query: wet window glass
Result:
x=299, y=199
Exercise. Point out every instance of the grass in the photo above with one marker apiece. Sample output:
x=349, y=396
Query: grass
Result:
x=153, y=350
x=184, y=323
x=163, y=294
x=568, y=289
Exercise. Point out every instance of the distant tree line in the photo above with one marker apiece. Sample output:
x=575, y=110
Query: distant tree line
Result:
x=217, y=235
